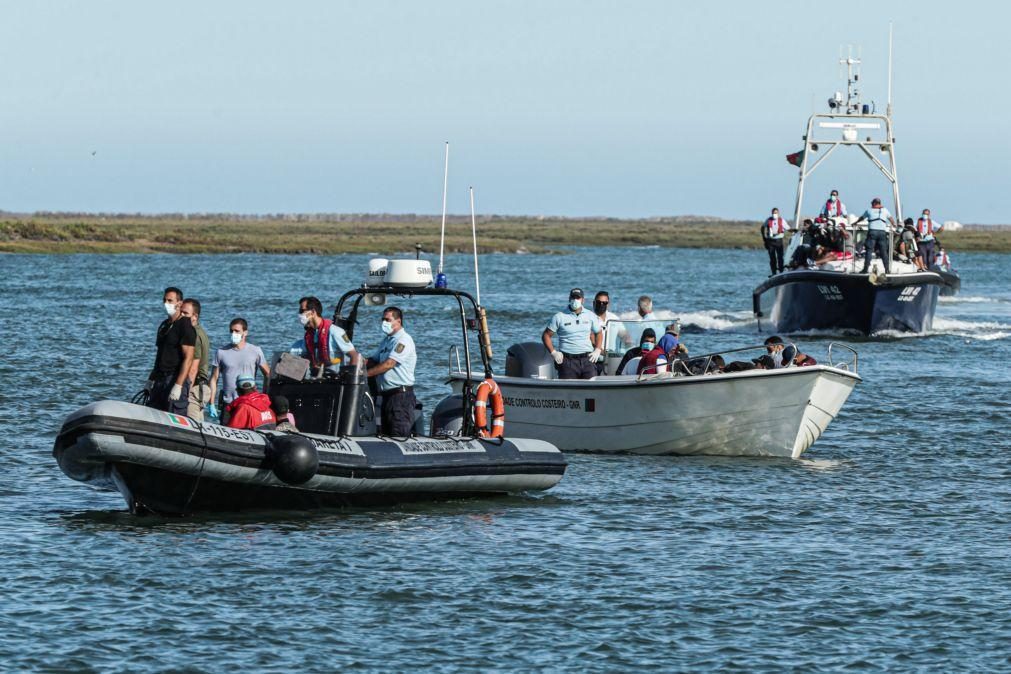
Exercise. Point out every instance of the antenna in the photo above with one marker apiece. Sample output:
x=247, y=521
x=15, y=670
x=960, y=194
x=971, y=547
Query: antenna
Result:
x=473, y=230
x=888, y=110
x=445, y=185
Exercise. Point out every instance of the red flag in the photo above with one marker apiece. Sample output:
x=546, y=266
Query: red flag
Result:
x=797, y=158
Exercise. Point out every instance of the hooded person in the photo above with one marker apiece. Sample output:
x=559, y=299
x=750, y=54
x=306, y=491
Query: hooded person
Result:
x=251, y=409
x=630, y=361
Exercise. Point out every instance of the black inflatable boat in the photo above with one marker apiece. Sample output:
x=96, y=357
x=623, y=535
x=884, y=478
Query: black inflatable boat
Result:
x=169, y=464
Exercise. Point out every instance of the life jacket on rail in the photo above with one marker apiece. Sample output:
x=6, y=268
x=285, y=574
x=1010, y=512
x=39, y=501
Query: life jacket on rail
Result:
x=319, y=349
x=251, y=410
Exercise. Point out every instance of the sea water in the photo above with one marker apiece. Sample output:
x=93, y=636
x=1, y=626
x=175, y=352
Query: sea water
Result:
x=885, y=548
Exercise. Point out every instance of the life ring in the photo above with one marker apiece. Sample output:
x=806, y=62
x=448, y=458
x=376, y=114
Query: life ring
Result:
x=486, y=390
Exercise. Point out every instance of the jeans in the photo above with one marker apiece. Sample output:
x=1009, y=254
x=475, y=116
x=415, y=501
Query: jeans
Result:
x=159, y=399
x=876, y=240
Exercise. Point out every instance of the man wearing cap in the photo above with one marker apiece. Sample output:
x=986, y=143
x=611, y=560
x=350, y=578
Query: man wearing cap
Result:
x=324, y=343
x=580, y=340
x=833, y=208
x=670, y=342
x=251, y=409
x=878, y=220
x=393, y=363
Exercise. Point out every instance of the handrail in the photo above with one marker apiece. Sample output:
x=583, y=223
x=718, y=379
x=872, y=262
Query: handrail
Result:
x=453, y=350
x=843, y=366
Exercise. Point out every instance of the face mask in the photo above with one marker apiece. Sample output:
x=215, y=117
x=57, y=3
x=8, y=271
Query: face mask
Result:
x=387, y=327
x=776, y=214
x=303, y=319
x=926, y=216
x=575, y=304
x=236, y=338
x=833, y=198
x=170, y=308
x=599, y=307
x=647, y=346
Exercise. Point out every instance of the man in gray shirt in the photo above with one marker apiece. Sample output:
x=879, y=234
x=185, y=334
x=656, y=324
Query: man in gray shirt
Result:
x=235, y=360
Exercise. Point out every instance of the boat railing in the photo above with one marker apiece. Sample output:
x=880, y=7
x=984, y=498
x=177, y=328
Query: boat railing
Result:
x=454, y=350
x=850, y=365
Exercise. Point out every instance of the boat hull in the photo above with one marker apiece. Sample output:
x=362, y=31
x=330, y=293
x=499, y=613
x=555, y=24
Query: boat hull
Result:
x=777, y=413
x=834, y=301
x=169, y=464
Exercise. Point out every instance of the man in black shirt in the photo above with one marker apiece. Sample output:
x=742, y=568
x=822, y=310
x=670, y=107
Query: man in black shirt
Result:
x=168, y=383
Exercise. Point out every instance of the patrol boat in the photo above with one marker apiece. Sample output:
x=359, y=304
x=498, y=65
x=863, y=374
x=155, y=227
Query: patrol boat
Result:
x=690, y=410
x=835, y=295
x=170, y=464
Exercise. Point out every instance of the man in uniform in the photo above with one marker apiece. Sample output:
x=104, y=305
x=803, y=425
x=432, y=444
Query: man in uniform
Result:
x=200, y=390
x=878, y=220
x=393, y=362
x=833, y=208
x=773, y=232
x=238, y=359
x=926, y=228
x=580, y=340
x=324, y=344
x=168, y=384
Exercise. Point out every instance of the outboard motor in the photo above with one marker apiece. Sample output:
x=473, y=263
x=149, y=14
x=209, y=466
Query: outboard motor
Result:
x=447, y=419
x=529, y=359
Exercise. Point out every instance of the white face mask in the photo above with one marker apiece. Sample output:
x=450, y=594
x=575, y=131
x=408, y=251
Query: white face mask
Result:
x=170, y=308
x=575, y=304
x=776, y=214
x=832, y=198
x=237, y=337
x=304, y=319
x=387, y=327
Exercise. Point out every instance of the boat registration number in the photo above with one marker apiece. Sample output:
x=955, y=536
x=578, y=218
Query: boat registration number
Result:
x=910, y=293
x=830, y=293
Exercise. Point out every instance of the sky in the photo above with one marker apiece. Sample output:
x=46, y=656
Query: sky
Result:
x=622, y=109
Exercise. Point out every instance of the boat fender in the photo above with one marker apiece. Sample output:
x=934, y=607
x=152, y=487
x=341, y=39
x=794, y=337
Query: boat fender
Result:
x=293, y=458
x=488, y=390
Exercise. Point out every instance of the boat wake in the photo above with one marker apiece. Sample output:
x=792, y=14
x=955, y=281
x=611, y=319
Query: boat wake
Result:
x=971, y=299
x=704, y=321
x=984, y=331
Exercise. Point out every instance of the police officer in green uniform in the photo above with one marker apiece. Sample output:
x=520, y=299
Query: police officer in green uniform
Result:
x=580, y=339
x=393, y=363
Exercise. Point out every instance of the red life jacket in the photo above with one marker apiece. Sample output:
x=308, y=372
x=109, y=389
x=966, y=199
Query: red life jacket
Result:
x=651, y=362
x=775, y=226
x=925, y=226
x=251, y=410
x=837, y=206
x=319, y=349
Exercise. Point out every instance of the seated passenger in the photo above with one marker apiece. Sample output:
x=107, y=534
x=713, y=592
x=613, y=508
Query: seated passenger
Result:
x=774, y=351
x=251, y=409
x=646, y=343
x=285, y=419
x=803, y=360
x=652, y=362
x=670, y=342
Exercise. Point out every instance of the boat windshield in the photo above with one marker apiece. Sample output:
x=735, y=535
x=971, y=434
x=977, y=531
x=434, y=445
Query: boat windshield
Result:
x=620, y=336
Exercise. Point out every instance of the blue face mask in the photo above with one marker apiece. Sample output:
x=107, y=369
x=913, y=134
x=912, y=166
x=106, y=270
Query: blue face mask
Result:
x=647, y=346
x=575, y=304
